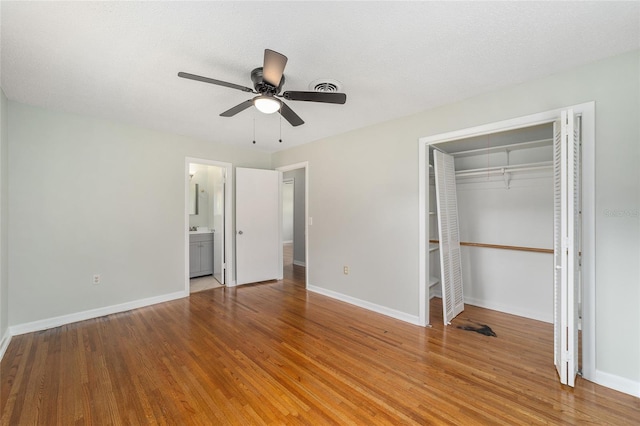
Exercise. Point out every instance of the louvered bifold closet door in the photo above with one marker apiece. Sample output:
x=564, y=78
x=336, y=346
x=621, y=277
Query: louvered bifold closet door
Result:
x=566, y=193
x=450, y=263
x=575, y=229
x=559, y=258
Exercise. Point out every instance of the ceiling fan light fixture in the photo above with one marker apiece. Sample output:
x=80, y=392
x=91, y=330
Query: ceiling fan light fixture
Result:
x=266, y=104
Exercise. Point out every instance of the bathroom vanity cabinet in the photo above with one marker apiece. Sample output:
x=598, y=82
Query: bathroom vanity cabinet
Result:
x=200, y=254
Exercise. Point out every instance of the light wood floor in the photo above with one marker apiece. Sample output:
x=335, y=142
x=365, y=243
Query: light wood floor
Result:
x=274, y=353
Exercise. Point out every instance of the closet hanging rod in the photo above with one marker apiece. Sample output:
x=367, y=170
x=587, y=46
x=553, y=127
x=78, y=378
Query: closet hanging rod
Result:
x=502, y=247
x=512, y=147
x=504, y=169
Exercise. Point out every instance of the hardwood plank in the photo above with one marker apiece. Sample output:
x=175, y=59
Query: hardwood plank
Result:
x=273, y=353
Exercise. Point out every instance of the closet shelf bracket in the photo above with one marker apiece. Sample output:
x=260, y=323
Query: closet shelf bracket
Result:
x=507, y=178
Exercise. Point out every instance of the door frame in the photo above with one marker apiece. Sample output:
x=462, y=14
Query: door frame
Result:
x=587, y=111
x=302, y=165
x=228, y=218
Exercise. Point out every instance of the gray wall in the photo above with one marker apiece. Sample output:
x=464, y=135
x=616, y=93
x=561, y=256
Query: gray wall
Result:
x=287, y=212
x=363, y=197
x=4, y=191
x=92, y=196
x=299, y=255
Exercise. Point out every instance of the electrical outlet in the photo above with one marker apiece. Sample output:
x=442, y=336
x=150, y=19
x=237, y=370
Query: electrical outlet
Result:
x=346, y=270
x=96, y=279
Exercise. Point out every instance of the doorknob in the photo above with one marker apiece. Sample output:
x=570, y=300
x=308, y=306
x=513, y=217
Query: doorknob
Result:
x=240, y=232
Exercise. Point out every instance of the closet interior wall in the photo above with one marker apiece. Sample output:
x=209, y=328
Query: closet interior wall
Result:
x=435, y=289
x=504, y=183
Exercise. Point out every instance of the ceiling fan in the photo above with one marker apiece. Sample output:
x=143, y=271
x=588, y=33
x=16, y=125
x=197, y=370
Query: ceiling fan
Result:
x=267, y=82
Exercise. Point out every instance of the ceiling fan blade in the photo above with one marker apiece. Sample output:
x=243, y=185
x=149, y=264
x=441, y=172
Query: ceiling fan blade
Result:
x=327, y=97
x=273, y=67
x=290, y=116
x=238, y=108
x=213, y=81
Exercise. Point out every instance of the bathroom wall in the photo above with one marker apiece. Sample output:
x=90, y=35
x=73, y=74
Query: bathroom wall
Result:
x=202, y=178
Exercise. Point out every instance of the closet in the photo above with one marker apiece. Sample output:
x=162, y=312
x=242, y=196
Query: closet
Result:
x=511, y=240
x=504, y=187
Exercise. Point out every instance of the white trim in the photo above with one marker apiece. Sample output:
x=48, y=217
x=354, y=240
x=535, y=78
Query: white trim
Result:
x=47, y=323
x=402, y=316
x=302, y=165
x=280, y=228
x=588, y=272
x=287, y=242
x=298, y=263
x=587, y=110
x=230, y=279
x=618, y=383
x=423, y=206
x=4, y=343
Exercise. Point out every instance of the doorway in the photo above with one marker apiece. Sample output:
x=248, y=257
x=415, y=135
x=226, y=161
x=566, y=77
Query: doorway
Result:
x=587, y=112
x=294, y=221
x=208, y=224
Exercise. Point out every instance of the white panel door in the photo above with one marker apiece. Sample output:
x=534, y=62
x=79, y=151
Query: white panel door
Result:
x=257, y=225
x=566, y=162
x=449, y=236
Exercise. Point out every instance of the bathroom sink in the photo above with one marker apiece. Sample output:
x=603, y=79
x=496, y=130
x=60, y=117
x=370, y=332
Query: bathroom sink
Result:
x=201, y=231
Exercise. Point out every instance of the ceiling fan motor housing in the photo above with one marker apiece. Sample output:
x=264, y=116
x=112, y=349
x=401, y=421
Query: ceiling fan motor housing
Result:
x=263, y=87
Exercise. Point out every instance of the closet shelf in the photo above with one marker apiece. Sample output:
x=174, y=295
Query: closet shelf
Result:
x=433, y=247
x=433, y=281
x=511, y=147
x=506, y=169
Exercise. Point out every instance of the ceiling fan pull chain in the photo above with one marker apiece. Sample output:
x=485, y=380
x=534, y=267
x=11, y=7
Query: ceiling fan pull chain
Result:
x=280, y=140
x=254, y=130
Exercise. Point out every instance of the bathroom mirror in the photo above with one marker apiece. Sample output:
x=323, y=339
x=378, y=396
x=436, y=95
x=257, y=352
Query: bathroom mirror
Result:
x=193, y=198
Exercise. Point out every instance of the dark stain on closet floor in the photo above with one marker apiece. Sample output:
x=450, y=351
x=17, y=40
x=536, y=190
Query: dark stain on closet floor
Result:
x=478, y=328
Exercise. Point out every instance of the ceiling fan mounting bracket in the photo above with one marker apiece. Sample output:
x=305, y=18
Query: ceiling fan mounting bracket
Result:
x=262, y=86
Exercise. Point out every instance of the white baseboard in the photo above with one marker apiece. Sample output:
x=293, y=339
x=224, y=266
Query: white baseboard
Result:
x=288, y=242
x=618, y=383
x=538, y=316
x=4, y=343
x=402, y=316
x=298, y=263
x=45, y=324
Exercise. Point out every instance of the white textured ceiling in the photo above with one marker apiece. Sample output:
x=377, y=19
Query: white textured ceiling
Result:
x=119, y=60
